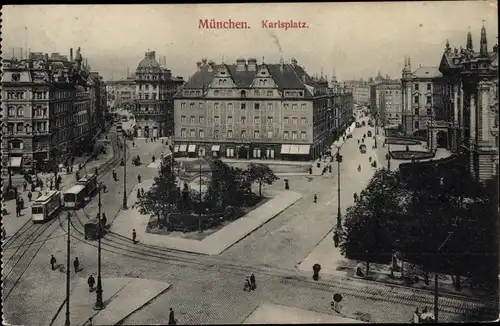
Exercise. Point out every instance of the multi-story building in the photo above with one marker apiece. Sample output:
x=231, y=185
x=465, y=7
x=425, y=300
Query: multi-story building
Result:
x=121, y=93
x=154, y=88
x=470, y=96
x=250, y=110
x=385, y=102
x=48, y=107
x=360, y=91
x=419, y=106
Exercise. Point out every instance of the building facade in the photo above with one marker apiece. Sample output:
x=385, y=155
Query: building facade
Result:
x=419, y=103
x=385, y=102
x=121, y=93
x=360, y=91
x=470, y=94
x=154, y=106
x=50, y=105
x=259, y=111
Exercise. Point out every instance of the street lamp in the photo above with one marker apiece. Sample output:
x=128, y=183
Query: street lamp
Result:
x=124, y=170
x=389, y=156
x=200, y=156
x=8, y=141
x=67, y=322
x=99, y=305
x=339, y=216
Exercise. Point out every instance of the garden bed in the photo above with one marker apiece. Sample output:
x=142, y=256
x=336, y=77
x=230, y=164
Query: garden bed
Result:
x=216, y=222
x=408, y=155
x=402, y=141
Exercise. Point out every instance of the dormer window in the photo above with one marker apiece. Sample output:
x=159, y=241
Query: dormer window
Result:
x=263, y=73
x=243, y=94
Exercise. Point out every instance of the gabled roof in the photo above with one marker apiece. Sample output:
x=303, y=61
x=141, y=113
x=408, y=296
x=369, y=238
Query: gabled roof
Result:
x=285, y=76
x=427, y=72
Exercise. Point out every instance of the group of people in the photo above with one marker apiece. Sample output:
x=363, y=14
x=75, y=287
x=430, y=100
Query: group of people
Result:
x=76, y=263
x=250, y=284
x=140, y=192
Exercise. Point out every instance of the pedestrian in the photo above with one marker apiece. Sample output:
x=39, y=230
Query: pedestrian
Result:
x=171, y=317
x=146, y=140
x=104, y=220
x=76, y=264
x=138, y=193
x=315, y=199
x=134, y=236
x=142, y=192
x=253, y=286
x=336, y=239
x=53, y=262
x=91, y=282
x=139, y=178
x=25, y=185
x=21, y=202
x=133, y=143
x=416, y=316
x=18, y=210
x=248, y=285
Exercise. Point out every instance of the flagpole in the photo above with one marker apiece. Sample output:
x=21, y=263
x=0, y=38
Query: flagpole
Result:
x=26, y=41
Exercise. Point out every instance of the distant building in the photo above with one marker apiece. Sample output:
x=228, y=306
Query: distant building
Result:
x=385, y=102
x=259, y=111
x=471, y=100
x=52, y=110
x=360, y=91
x=419, y=103
x=121, y=93
x=153, y=105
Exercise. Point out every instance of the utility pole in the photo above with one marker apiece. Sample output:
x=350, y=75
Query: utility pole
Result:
x=339, y=216
x=68, y=266
x=389, y=156
x=124, y=170
x=199, y=220
x=99, y=305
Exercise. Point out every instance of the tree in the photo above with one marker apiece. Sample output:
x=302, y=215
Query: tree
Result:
x=228, y=186
x=260, y=173
x=369, y=223
x=163, y=195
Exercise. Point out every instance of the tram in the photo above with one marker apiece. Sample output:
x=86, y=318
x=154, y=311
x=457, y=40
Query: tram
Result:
x=46, y=206
x=89, y=181
x=75, y=197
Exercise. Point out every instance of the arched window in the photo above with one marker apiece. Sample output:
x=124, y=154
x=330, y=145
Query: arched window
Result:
x=243, y=94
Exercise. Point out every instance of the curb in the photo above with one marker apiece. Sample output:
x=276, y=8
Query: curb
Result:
x=143, y=305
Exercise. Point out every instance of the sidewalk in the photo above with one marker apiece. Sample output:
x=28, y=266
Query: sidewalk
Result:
x=122, y=297
x=266, y=162
x=269, y=313
x=213, y=244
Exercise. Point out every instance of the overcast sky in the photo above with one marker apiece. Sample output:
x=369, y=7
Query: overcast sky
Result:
x=355, y=39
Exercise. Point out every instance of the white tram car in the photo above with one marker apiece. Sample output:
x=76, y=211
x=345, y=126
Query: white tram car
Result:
x=74, y=198
x=46, y=206
x=89, y=181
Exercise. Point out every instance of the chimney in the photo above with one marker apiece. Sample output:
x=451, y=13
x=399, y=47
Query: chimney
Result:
x=46, y=59
x=211, y=66
x=252, y=64
x=282, y=64
x=198, y=64
x=294, y=62
x=71, y=54
x=240, y=64
x=204, y=61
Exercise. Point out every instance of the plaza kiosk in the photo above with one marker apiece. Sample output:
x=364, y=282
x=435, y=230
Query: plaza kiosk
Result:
x=92, y=230
x=362, y=148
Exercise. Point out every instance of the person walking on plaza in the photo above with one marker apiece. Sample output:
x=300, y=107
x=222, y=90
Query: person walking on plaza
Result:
x=138, y=193
x=253, y=286
x=248, y=286
x=30, y=195
x=315, y=199
x=133, y=143
x=171, y=317
x=104, y=220
x=91, y=282
x=139, y=178
x=134, y=236
x=53, y=262
x=142, y=192
x=76, y=264
x=25, y=186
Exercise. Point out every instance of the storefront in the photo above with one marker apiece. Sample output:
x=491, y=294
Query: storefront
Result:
x=192, y=150
x=294, y=152
x=215, y=151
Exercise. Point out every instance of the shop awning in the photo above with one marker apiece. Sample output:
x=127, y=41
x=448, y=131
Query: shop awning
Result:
x=176, y=148
x=182, y=148
x=285, y=149
x=192, y=149
x=15, y=162
x=304, y=149
x=294, y=149
x=215, y=148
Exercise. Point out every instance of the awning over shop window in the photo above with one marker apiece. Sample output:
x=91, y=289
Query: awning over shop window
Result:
x=176, y=148
x=285, y=149
x=15, y=162
x=192, y=149
x=183, y=148
x=294, y=149
x=304, y=149
x=215, y=148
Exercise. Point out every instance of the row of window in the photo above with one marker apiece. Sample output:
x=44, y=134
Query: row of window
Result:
x=21, y=127
x=146, y=86
x=243, y=106
x=243, y=119
x=429, y=87
x=146, y=96
x=417, y=111
x=243, y=134
x=417, y=99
